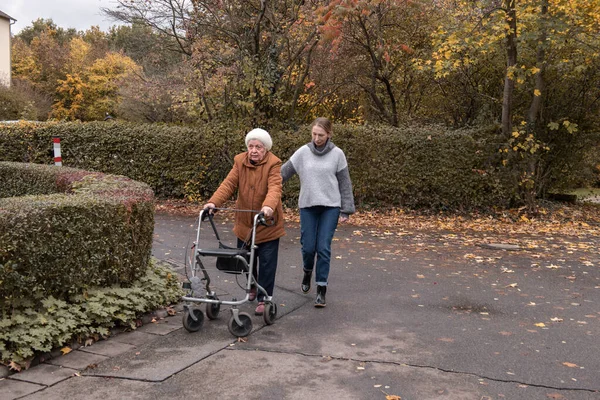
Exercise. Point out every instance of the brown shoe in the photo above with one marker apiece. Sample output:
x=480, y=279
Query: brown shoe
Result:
x=260, y=309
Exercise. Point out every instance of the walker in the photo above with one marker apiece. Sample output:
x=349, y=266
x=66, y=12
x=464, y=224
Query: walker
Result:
x=229, y=260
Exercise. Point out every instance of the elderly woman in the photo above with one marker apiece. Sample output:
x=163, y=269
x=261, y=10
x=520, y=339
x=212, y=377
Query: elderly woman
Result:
x=325, y=197
x=256, y=175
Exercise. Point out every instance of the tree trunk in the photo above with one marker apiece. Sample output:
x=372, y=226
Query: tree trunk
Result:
x=511, y=62
x=540, y=85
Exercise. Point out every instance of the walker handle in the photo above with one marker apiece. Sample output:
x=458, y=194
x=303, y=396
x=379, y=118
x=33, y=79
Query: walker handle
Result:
x=261, y=219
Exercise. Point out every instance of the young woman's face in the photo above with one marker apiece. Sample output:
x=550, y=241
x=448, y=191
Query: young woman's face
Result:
x=256, y=150
x=319, y=135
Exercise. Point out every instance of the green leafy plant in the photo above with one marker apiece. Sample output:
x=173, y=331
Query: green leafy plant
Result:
x=30, y=330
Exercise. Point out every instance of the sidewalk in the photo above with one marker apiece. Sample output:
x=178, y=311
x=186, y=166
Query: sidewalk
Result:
x=413, y=314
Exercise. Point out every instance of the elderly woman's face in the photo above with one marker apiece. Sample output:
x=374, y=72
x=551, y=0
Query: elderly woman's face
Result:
x=256, y=150
x=319, y=135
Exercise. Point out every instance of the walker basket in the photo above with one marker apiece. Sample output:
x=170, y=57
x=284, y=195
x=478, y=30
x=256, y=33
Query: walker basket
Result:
x=230, y=263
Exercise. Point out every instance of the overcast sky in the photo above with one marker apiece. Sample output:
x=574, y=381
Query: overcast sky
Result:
x=78, y=14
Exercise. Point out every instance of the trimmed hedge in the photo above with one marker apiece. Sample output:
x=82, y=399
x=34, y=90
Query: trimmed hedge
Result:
x=65, y=230
x=422, y=166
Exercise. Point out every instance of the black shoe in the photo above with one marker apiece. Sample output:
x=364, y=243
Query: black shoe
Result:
x=320, y=300
x=306, y=281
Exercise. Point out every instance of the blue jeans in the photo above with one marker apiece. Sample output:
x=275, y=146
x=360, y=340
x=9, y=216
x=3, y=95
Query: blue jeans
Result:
x=317, y=226
x=265, y=265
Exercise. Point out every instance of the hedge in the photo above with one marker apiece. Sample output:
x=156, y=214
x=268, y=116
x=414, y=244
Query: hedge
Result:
x=420, y=166
x=64, y=231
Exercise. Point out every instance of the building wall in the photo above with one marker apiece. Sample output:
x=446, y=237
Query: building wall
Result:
x=4, y=51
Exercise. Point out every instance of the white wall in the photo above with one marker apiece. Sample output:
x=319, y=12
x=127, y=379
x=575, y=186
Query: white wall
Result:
x=4, y=51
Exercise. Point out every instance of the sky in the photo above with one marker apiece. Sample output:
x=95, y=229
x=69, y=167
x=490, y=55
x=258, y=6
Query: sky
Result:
x=78, y=14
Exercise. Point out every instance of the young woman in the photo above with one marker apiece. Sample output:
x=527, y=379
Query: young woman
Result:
x=325, y=197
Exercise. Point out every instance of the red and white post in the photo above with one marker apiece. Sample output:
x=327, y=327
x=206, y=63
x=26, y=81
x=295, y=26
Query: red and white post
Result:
x=57, y=157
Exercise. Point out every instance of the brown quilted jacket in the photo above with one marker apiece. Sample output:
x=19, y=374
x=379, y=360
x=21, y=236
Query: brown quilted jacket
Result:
x=257, y=186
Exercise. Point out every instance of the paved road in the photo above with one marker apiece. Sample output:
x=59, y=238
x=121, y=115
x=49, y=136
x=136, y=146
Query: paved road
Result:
x=413, y=314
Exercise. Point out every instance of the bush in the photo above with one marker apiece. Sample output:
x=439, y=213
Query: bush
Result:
x=426, y=166
x=64, y=231
x=23, y=101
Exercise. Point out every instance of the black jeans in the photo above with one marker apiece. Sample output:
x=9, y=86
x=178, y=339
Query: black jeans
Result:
x=265, y=264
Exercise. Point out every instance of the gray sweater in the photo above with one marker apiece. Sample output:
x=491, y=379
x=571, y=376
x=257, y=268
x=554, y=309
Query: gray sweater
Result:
x=324, y=177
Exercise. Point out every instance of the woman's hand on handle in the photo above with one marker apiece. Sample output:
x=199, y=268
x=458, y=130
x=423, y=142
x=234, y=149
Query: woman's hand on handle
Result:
x=343, y=218
x=268, y=211
x=209, y=207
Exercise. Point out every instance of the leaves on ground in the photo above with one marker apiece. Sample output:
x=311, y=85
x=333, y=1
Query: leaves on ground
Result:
x=567, y=219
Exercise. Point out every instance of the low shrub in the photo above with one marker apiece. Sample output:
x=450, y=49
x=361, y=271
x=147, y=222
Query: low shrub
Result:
x=31, y=330
x=64, y=230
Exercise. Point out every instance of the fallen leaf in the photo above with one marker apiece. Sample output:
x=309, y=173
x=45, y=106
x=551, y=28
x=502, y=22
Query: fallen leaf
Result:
x=14, y=366
x=570, y=365
x=66, y=350
x=556, y=319
x=540, y=324
x=512, y=285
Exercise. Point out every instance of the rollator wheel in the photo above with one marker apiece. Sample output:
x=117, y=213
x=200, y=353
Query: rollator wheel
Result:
x=243, y=330
x=212, y=310
x=188, y=322
x=270, y=313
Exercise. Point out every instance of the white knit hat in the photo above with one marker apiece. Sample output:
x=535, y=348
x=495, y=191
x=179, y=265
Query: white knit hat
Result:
x=261, y=135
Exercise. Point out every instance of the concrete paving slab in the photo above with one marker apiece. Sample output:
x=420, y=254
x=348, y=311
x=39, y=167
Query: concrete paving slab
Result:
x=161, y=327
x=231, y=374
x=13, y=389
x=169, y=354
x=501, y=246
x=134, y=338
x=108, y=348
x=45, y=374
x=78, y=360
x=162, y=358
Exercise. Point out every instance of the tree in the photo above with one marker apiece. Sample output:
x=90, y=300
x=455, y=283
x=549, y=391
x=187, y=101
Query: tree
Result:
x=42, y=25
x=549, y=47
x=168, y=17
x=89, y=92
x=380, y=38
x=246, y=54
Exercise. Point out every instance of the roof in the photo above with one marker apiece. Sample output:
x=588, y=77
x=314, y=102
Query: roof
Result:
x=4, y=15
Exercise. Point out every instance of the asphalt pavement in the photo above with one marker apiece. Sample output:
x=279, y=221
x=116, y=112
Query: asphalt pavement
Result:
x=411, y=314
